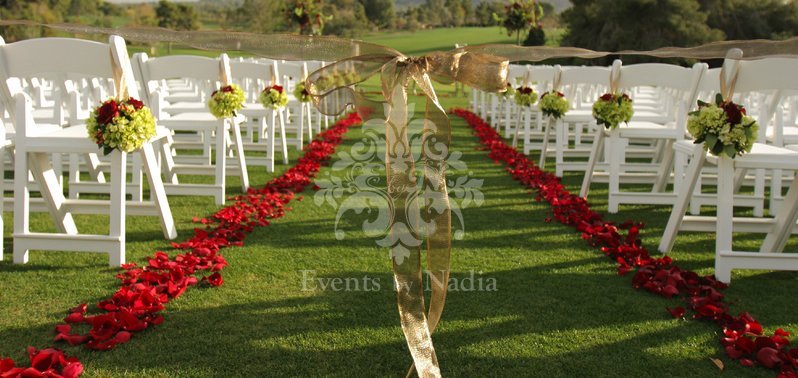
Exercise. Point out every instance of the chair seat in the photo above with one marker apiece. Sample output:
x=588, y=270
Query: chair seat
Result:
x=789, y=135
x=185, y=106
x=578, y=115
x=191, y=121
x=72, y=139
x=764, y=156
x=254, y=110
x=650, y=116
x=644, y=129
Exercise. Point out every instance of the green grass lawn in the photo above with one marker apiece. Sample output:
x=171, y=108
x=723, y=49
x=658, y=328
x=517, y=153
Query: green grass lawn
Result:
x=409, y=43
x=559, y=309
x=442, y=39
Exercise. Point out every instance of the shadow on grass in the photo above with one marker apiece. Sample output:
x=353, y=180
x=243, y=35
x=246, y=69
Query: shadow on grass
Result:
x=520, y=328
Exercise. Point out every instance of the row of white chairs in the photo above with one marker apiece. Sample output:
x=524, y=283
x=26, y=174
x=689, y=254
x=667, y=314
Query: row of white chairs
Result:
x=655, y=149
x=49, y=86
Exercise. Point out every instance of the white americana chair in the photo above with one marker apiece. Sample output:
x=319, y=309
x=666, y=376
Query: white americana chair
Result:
x=764, y=75
x=256, y=75
x=321, y=118
x=678, y=88
x=298, y=114
x=216, y=135
x=34, y=146
x=540, y=78
x=578, y=84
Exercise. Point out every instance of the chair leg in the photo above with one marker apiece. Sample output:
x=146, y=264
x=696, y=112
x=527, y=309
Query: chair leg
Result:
x=759, y=192
x=545, y=146
x=304, y=111
x=560, y=144
x=517, y=128
x=725, y=212
x=775, y=190
x=282, y=136
x=300, y=133
x=665, y=168
x=137, y=194
x=117, y=214
x=44, y=174
x=270, y=135
x=221, y=161
x=21, y=204
x=74, y=175
x=784, y=222
x=168, y=161
x=242, y=162
x=682, y=199
x=595, y=150
x=617, y=157
x=157, y=192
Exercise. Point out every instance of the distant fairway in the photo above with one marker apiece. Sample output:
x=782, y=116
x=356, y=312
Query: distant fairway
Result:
x=424, y=41
x=410, y=43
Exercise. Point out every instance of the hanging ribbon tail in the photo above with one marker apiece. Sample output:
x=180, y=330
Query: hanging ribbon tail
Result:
x=404, y=239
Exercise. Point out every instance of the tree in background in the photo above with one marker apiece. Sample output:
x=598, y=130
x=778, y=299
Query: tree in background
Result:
x=519, y=16
x=268, y=19
x=484, y=11
x=752, y=19
x=613, y=25
x=348, y=18
x=142, y=15
x=308, y=15
x=380, y=12
x=176, y=17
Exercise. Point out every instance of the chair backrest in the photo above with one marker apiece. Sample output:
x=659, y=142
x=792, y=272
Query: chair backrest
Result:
x=151, y=70
x=677, y=86
x=252, y=75
x=585, y=75
x=583, y=84
x=62, y=59
x=661, y=75
x=773, y=76
x=292, y=71
x=251, y=70
x=516, y=73
x=542, y=75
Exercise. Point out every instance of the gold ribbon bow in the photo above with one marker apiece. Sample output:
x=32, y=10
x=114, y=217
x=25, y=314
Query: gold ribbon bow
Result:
x=396, y=74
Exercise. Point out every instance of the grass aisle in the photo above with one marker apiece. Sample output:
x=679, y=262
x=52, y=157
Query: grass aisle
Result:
x=560, y=308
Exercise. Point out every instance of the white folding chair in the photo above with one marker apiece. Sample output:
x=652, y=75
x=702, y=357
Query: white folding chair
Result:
x=34, y=145
x=257, y=74
x=770, y=74
x=291, y=73
x=195, y=118
x=578, y=84
x=660, y=126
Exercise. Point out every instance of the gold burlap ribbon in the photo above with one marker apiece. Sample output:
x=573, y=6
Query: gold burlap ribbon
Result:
x=615, y=78
x=120, y=84
x=482, y=67
x=729, y=80
x=409, y=227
